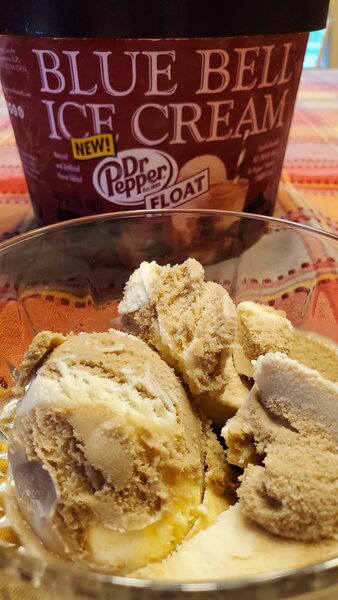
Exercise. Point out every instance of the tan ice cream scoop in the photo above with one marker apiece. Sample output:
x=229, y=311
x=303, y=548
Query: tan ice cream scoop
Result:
x=235, y=547
x=105, y=451
x=260, y=329
x=285, y=436
x=190, y=322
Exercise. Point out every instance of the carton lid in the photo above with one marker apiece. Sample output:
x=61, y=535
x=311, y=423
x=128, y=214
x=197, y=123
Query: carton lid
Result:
x=160, y=18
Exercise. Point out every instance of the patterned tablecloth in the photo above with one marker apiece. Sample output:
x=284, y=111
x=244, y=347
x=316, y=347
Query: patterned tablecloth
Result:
x=309, y=187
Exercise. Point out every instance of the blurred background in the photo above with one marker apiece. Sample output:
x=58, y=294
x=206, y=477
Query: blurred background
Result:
x=322, y=49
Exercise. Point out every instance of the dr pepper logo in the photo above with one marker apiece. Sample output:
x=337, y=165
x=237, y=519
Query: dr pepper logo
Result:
x=128, y=177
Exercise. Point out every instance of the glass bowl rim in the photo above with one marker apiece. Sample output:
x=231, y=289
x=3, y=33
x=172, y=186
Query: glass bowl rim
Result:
x=262, y=580
x=290, y=580
x=121, y=215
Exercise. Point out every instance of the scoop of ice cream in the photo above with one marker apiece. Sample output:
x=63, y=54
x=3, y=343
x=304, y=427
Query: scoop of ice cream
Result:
x=315, y=352
x=285, y=436
x=220, y=408
x=234, y=547
x=190, y=322
x=106, y=451
x=42, y=345
x=260, y=329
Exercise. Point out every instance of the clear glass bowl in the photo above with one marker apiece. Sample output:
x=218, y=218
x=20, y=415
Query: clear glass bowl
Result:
x=70, y=277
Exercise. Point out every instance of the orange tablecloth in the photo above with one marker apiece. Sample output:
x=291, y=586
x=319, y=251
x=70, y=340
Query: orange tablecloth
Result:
x=308, y=191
